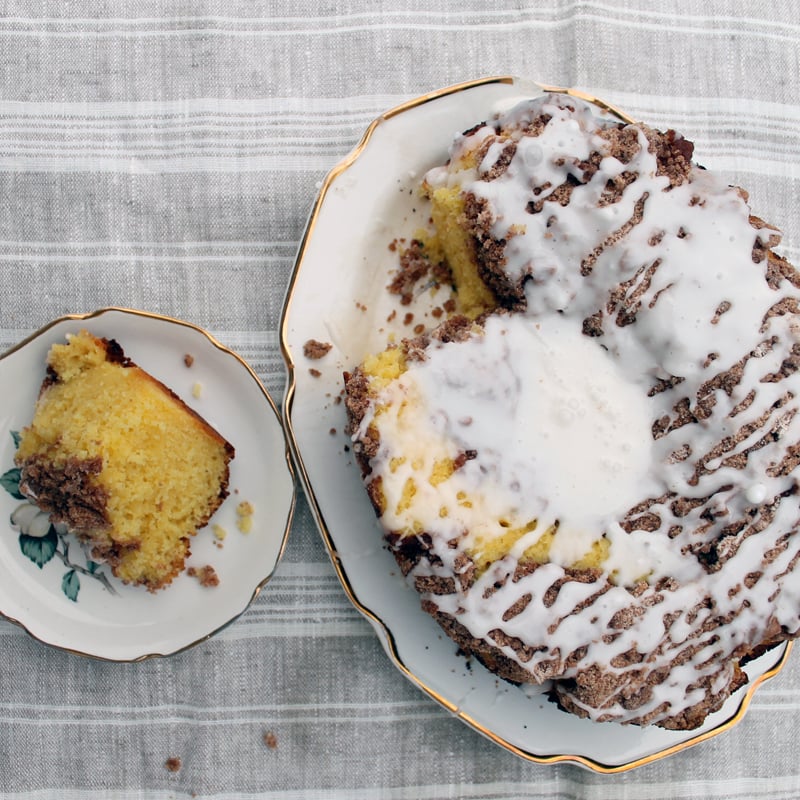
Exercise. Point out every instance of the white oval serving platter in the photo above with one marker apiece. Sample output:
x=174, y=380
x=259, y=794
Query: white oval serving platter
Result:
x=338, y=295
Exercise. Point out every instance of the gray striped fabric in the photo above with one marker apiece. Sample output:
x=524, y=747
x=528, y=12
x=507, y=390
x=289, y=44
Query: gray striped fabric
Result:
x=164, y=156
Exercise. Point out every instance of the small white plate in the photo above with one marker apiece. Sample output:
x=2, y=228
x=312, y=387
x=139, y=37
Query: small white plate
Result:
x=106, y=619
x=338, y=295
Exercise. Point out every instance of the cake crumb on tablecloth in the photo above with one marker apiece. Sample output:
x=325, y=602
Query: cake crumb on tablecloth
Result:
x=206, y=575
x=270, y=740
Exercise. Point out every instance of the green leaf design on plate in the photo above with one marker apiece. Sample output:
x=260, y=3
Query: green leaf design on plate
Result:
x=10, y=482
x=39, y=549
x=71, y=585
x=15, y=435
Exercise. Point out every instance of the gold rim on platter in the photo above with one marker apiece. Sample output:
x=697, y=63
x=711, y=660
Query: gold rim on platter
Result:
x=781, y=653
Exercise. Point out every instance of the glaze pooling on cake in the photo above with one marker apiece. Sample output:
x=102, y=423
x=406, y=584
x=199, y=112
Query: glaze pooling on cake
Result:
x=633, y=422
x=518, y=472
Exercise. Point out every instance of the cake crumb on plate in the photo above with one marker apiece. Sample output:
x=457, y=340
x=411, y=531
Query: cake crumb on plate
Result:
x=315, y=349
x=206, y=575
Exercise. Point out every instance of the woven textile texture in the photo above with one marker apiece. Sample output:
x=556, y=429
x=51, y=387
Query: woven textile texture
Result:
x=164, y=156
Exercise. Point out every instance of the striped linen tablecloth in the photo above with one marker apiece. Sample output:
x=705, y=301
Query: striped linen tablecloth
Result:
x=165, y=156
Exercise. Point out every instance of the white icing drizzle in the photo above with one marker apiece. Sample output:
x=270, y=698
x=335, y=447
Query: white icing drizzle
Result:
x=564, y=427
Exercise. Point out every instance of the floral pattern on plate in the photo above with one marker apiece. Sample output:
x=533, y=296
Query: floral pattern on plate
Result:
x=41, y=540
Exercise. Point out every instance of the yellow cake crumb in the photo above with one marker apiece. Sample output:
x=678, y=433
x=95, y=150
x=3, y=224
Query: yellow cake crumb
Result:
x=447, y=212
x=219, y=532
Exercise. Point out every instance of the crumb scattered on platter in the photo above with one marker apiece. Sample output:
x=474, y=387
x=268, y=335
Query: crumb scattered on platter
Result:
x=315, y=349
x=206, y=575
x=244, y=516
